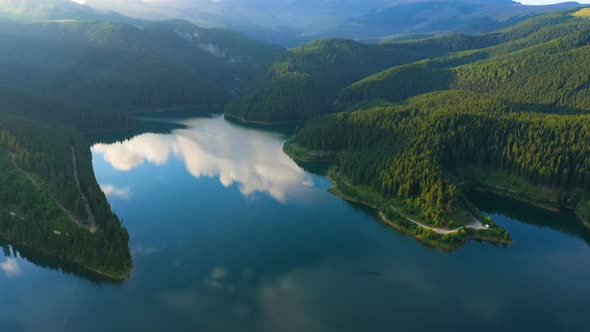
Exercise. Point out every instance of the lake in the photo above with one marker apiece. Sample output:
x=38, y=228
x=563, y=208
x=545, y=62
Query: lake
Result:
x=229, y=234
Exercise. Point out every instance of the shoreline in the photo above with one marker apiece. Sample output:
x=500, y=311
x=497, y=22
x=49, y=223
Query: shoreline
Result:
x=518, y=199
x=90, y=227
x=309, y=157
x=472, y=234
x=262, y=123
x=384, y=220
x=107, y=276
x=289, y=148
x=175, y=109
x=134, y=113
x=531, y=203
x=104, y=131
x=585, y=223
x=444, y=239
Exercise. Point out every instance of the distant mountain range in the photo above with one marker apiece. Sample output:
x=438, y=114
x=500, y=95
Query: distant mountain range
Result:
x=438, y=17
x=296, y=22
x=55, y=10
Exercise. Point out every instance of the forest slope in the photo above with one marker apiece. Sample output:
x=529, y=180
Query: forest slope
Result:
x=306, y=81
x=438, y=17
x=512, y=117
x=303, y=82
x=545, y=68
x=41, y=205
x=125, y=67
x=62, y=75
x=409, y=152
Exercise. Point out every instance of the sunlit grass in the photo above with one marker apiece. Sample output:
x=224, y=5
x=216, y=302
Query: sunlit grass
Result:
x=585, y=12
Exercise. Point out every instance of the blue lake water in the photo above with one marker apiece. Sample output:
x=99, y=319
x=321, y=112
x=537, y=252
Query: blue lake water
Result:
x=229, y=234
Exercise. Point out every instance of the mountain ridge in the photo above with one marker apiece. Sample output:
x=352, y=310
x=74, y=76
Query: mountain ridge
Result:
x=89, y=60
x=295, y=23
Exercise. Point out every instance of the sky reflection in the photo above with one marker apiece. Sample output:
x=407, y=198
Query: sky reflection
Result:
x=10, y=268
x=213, y=147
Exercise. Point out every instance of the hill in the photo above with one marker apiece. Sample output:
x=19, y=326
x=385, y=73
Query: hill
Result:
x=59, y=112
x=417, y=158
x=302, y=83
x=294, y=23
x=305, y=81
x=544, y=66
x=124, y=67
x=64, y=70
x=511, y=117
x=312, y=80
x=41, y=204
x=439, y=17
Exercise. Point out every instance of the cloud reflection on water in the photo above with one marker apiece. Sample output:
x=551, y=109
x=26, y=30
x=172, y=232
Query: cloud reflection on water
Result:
x=213, y=147
x=114, y=192
x=10, y=268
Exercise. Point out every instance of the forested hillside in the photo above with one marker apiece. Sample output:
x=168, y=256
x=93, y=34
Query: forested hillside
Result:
x=412, y=125
x=292, y=23
x=306, y=81
x=64, y=73
x=439, y=17
x=511, y=117
x=61, y=112
x=40, y=204
x=544, y=63
x=416, y=150
x=302, y=83
x=125, y=67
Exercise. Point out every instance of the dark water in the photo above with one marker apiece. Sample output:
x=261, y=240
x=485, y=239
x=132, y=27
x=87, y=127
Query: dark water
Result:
x=228, y=234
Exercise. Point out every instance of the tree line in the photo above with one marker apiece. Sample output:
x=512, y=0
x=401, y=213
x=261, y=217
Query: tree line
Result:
x=408, y=150
x=37, y=181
